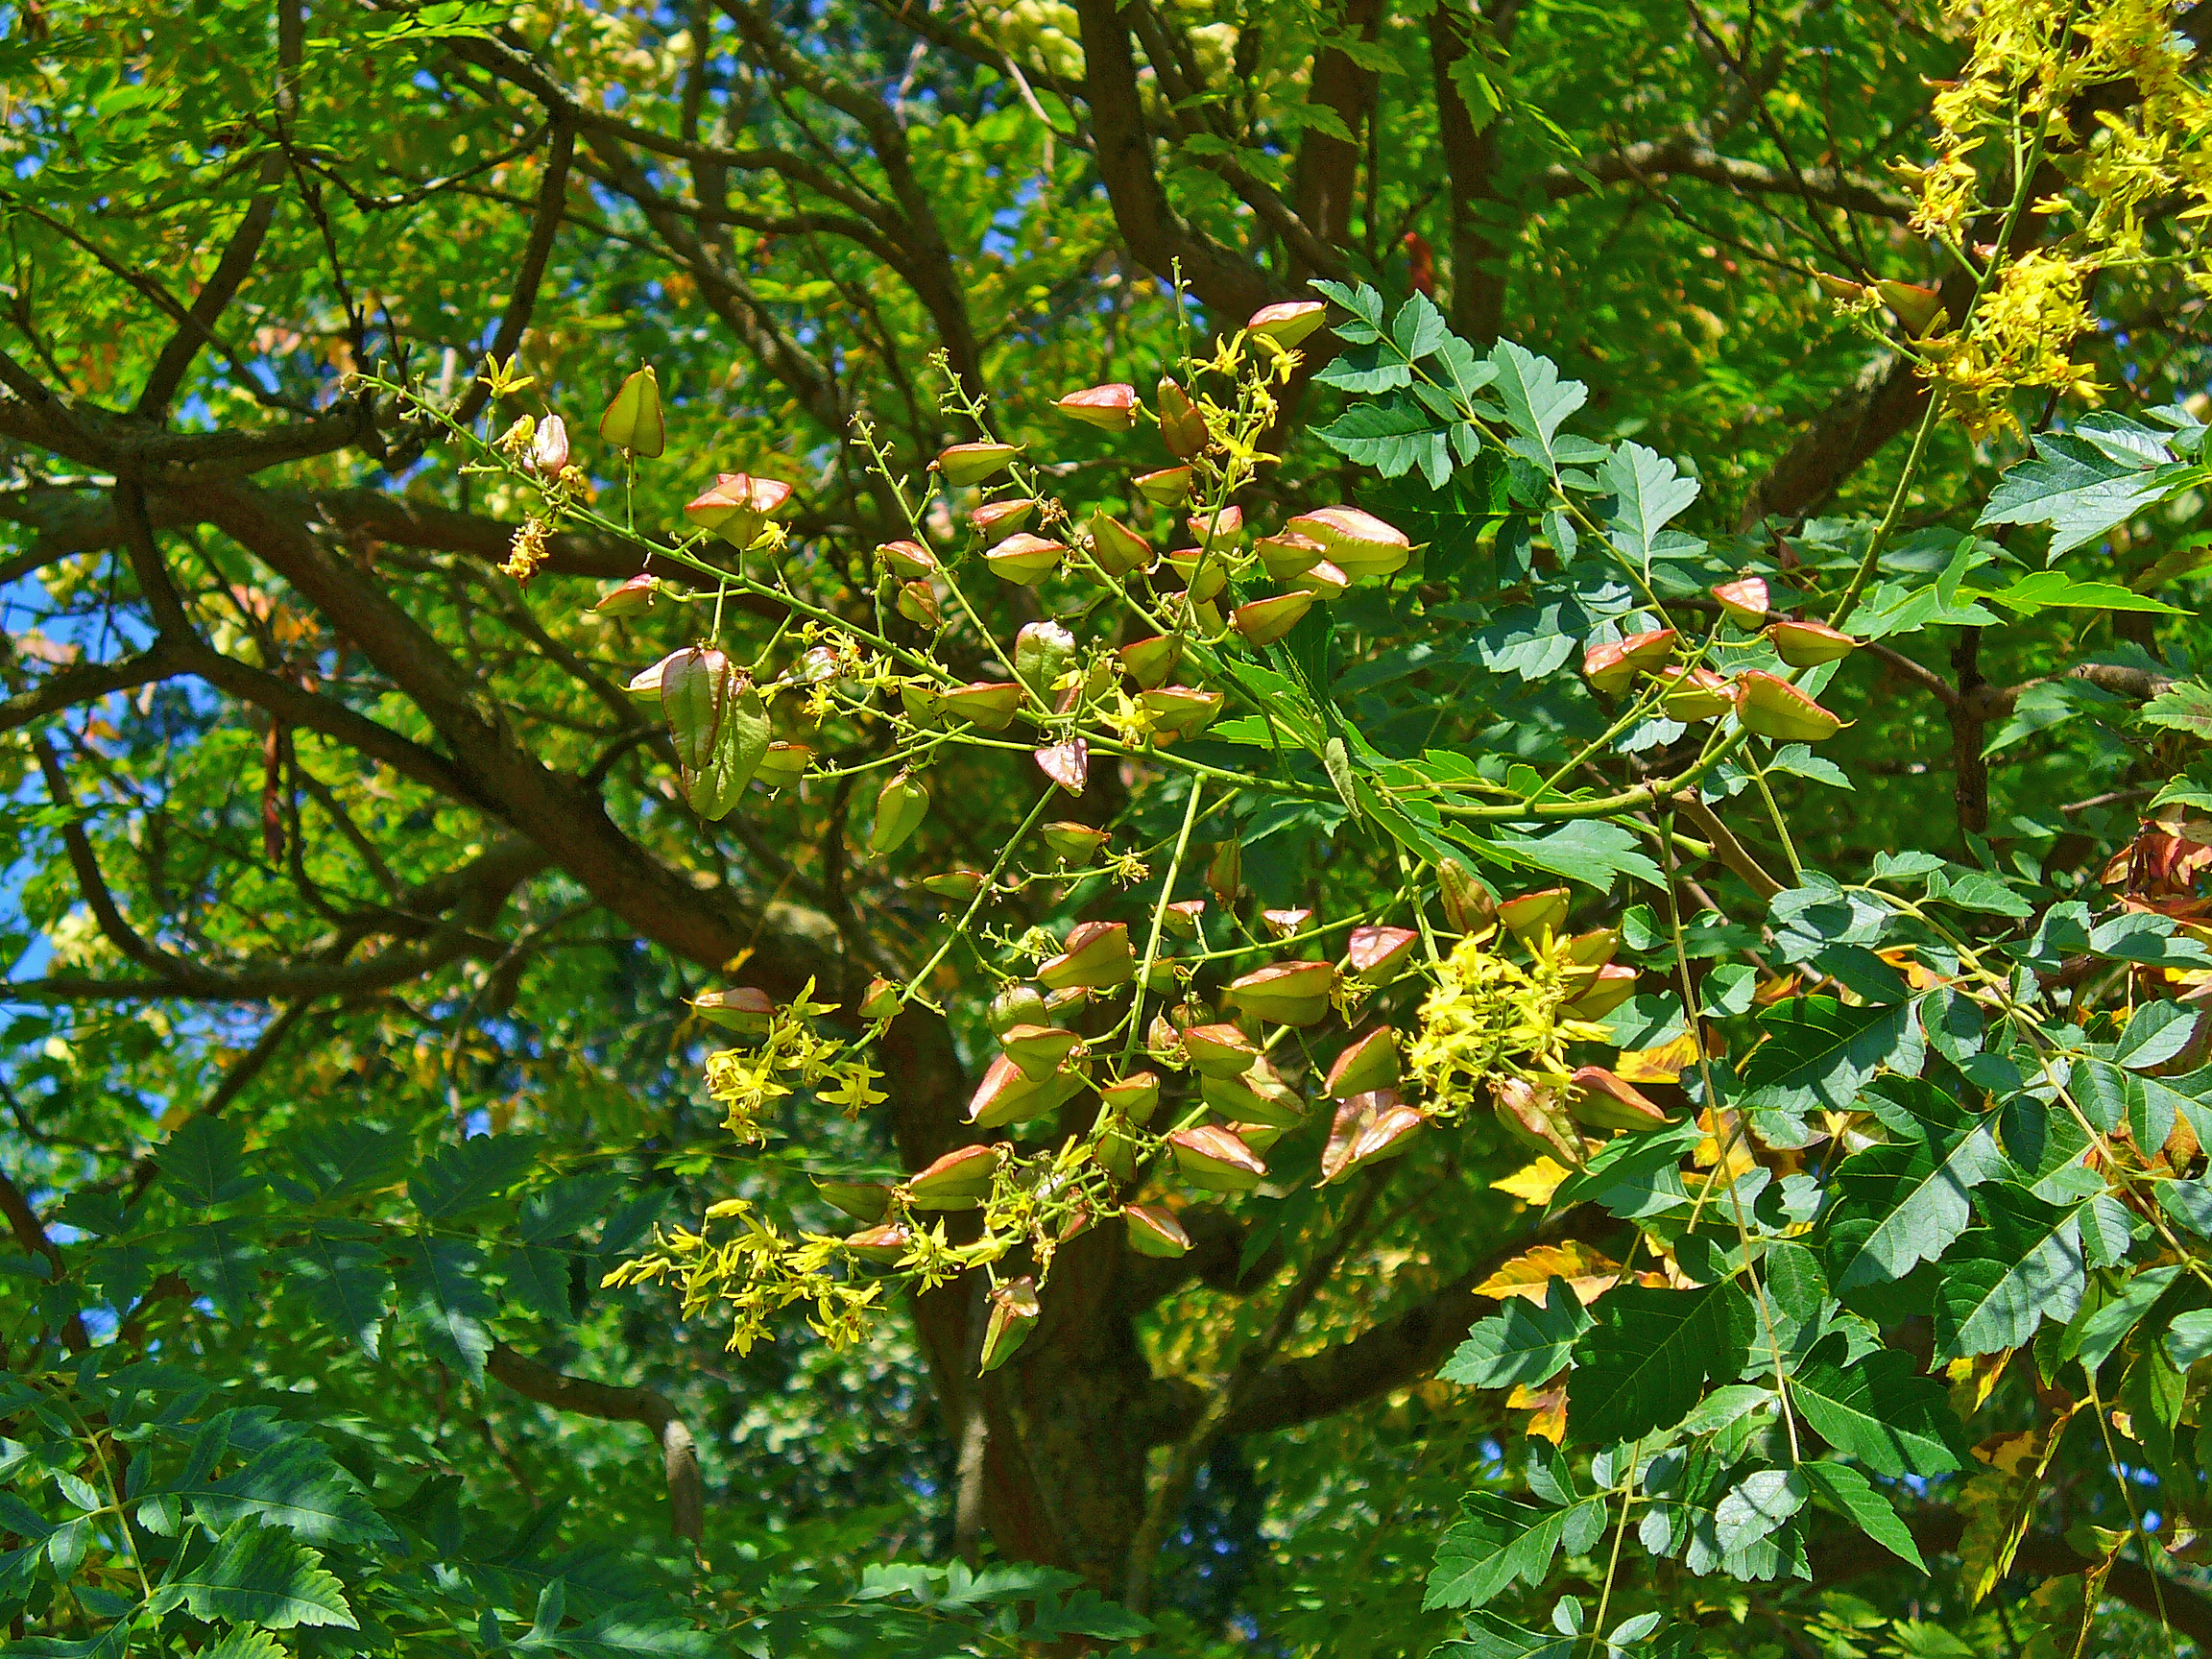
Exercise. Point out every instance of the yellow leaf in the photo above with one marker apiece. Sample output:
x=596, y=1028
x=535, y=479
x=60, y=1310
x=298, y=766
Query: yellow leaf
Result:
x=1661, y=1065
x=1588, y=1274
x=1549, y=1407
x=1533, y=1183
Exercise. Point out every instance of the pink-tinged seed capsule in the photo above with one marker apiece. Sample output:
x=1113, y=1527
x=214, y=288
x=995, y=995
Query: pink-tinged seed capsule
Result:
x=1110, y=408
x=1288, y=322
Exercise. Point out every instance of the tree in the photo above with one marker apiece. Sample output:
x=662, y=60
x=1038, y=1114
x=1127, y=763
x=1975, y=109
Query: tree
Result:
x=335, y=781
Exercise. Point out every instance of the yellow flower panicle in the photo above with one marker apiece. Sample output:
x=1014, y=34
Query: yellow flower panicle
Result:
x=1488, y=1017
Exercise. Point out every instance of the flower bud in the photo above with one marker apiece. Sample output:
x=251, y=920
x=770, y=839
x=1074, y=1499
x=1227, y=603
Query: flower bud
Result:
x=1258, y=1136
x=1110, y=408
x=1182, y=427
x=1744, y=602
x=1214, y=1160
x=630, y=598
x=1288, y=554
x=1359, y=543
x=995, y=520
x=1017, y=1005
x=965, y=464
x=883, y=1245
x=900, y=806
x=1024, y=559
x=1116, y=1148
x=957, y=886
x=1150, y=661
x=909, y=561
x=1134, y=1097
x=1775, y=709
x=1013, y=1316
x=960, y=1180
x=1219, y=1050
x=1694, y=694
x=720, y=727
x=1043, y=652
x=746, y=1010
x=1169, y=487
x=922, y=704
x=987, y=704
x=1376, y=955
x=1179, y=712
x=862, y=1200
x=1288, y=321
x=1115, y=548
x=1368, y=1129
x=1204, y=575
x=632, y=421
x=549, y=447
x=1599, y=1098
x=1076, y=843
x=1285, y=993
x=1365, y=1066
x=1838, y=287
x=1038, y=1049
x=1095, y=955
x=1528, y=915
x=1594, y=949
x=1808, y=644
x=696, y=687
x=645, y=683
x=1265, y=621
x=1154, y=1232
x=1255, y=1094
x=1067, y=764
x=1469, y=905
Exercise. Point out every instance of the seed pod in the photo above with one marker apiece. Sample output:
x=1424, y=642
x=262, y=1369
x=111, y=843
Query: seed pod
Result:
x=1221, y=531
x=1255, y=1094
x=1024, y=559
x=1285, y=993
x=1838, y=287
x=1615, y=983
x=1532, y=1115
x=1258, y=1136
x=1288, y=321
x=1920, y=309
x=1609, y=668
x=1182, y=427
x=1219, y=1050
x=746, y=1010
x=883, y=1245
x=960, y=1180
x=1204, y=575
x=1286, y=554
x=1134, y=1097
x=1150, y=661
x=645, y=683
x=1038, y=1049
x=1376, y=955
x=1068, y=1000
x=1017, y=1005
x=1163, y=1042
x=1694, y=694
x=1324, y=581
x=900, y=806
x=956, y=885
x=631, y=598
x=1594, y=949
x=1528, y=915
x=1169, y=487
x=1367, y=1129
x=632, y=421
x=1359, y=543
x=917, y=602
x=1214, y=1160
x=1013, y=1316
x=922, y=704
x=1153, y=1231
x=1067, y=764
x=1095, y=957
x=736, y=507
x=988, y=704
x=1469, y=905
x=1265, y=621
x=1775, y=709
x=1179, y=919
x=1115, y=548
x=1076, y=843
x=1225, y=872
x=1043, y=652
x=1110, y=408
x=1604, y=1102
x=1809, y=644
x=862, y=1200
x=1116, y=1148
x=549, y=447
x=783, y=764
x=995, y=520
x=1745, y=601
x=881, y=1000
x=909, y=561
x=1365, y=1066
x=1179, y=712
x=965, y=464
x=720, y=727
x=1285, y=923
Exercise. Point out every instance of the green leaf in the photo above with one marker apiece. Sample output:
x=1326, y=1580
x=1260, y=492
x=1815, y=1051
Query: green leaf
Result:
x=538, y=1278
x=200, y=1163
x=1903, y=1203
x=220, y=1261
x=260, y=1576
x=2186, y=705
x=2189, y=1338
x=1648, y=492
x=1878, y=1409
x=2074, y=487
x=1394, y=434
x=1649, y=1355
x=1522, y=1343
x=455, y=1180
x=1756, y=1505
x=1818, y=1053
x=1536, y=400
x=1496, y=1542
x=445, y=1305
x=345, y=1282
x=1491, y=1637
x=639, y=1631
x=2157, y=1032
x=1592, y=851
x=2188, y=1202
x=294, y=1485
x=2045, y=590
x=1850, y=1491
x=2004, y=1279
x=2092, y=1338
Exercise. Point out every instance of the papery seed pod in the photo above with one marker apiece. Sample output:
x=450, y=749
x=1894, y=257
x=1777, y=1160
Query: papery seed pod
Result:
x=883, y=1245
x=1775, y=709
x=1265, y=621
x=1365, y=1066
x=1163, y=1042
x=956, y=885
x=1115, y=548
x=1017, y=1004
x=1368, y=1129
x=1255, y=1094
x=960, y=1180
x=965, y=464
x=1609, y=668
x=1286, y=924
x=988, y=704
x=1534, y=1116
x=1110, y=408
x=1527, y=916
x=881, y=1000
x=1114, y=1148
x=645, y=683
x=1043, y=652
x=862, y=1200
x=1182, y=427
x=1286, y=554
x=631, y=598
x=917, y=602
x=1838, y=287
x=549, y=447
x=995, y=520
x=736, y=507
x=1024, y=559
x=1288, y=321
x=1225, y=873
x=1180, y=711
x=1285, y=993
x=1615, y=983
x=1214, y=1160
x=696, y=689
x=1745, y=601
x=1067, y=764
x=1694, y=694
x=1594, y=949
x=922, y=704
x=1376, y=955
x=1153, y=1231
x=1258, y=1136
x=719, y=726
x=1469, y=905
x=1150, y=661
x=1134, y=1097
x=1013, y=1316
x=1095, y=955
x=1809, y=644
x=1169, y=487
x=1359, y=543
x=1068, y=1001
x=1324, y=581
x=1595, y=1097
x=818, y=666
x=900, y=806
x=783, y=764
x=745, y=1010
x=1204, y=575
x=909, y=561
x=1179, y=919
x=632, y=421
x=1219, y=1050
x=1076, y=843
x=1038, y=1049
x=1220, y=531
x=1079, y=1222
x=1920, y=309
x=1009, y=1095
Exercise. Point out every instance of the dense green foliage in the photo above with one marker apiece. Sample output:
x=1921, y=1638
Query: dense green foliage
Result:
x=442, y=1083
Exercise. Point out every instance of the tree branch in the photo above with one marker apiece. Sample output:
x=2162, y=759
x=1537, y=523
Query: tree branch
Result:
x=615, y=1404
